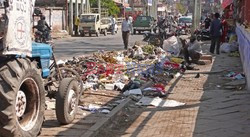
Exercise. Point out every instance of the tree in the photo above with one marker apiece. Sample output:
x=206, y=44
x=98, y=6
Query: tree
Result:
x=113, y=9
x=181, y=8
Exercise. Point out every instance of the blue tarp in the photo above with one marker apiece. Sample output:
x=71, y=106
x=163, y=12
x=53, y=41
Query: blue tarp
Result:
x=244, y=47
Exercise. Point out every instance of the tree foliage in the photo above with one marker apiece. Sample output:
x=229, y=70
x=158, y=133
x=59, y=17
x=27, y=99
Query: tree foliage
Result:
x=182, y=9
x=113, y=9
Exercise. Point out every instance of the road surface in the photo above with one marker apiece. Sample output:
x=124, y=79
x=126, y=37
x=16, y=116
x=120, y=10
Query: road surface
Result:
x=77, y=46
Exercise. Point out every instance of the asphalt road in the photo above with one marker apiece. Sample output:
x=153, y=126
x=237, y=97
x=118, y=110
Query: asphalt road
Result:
x=77, y=46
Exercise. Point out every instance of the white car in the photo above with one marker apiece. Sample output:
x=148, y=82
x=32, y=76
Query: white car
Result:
x=108, y=21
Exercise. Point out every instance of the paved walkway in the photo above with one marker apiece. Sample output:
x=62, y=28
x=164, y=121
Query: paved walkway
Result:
x=210, y=111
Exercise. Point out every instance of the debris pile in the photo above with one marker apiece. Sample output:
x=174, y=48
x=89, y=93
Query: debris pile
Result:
x=143, y=70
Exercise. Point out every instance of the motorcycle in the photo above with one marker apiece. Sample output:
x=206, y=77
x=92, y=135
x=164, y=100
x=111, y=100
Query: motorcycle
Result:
x=157, y=39
x=43, y=37
x=153, y=39
x=182, y=29
x=202, y=34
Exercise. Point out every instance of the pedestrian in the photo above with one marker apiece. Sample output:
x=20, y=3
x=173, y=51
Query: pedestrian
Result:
x=77, y=23
x=224, y=29
x=192, y=50
x=113, y=23
x=207, y=22
x=130, y=18
x=125, y=32
x=215, y=32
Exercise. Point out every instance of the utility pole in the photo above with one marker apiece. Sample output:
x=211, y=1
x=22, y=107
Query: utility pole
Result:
x=133, y=7
x=66, y=15
x=196, y=15
x=76, y=8
x=99, y=8
x=71, y=17
x=81, y=8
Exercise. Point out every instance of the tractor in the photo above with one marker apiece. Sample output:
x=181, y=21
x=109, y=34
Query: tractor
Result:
x=29, y=73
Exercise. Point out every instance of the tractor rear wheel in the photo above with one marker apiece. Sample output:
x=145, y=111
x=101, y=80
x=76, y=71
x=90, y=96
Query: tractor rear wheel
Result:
x=22, y=99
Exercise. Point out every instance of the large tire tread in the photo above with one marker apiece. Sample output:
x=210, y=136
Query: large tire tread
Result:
x=11, y=74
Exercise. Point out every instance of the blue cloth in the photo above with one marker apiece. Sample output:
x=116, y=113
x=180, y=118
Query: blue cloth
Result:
x=215, y=29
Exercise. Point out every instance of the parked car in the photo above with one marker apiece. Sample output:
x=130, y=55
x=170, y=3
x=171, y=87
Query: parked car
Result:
x=108, y=23
x=185, y=20
x=143, y=23
x=91, y=24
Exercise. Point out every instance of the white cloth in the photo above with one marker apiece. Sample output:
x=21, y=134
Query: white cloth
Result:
x=195, y=46
x=130, y=19
x=126, y=25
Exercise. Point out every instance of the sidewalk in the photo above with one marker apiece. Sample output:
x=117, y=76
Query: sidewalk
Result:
x=210, y=110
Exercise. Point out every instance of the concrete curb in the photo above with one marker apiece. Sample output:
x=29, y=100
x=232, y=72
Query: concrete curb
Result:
x=94, y=130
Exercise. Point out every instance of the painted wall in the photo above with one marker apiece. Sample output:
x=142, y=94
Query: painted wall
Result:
x=54, y=17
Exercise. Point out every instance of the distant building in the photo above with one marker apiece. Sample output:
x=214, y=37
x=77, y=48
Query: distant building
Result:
x=55, y=13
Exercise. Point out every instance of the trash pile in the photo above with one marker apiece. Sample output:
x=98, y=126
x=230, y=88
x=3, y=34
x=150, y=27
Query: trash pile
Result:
x=231, y=46
x=143, y=70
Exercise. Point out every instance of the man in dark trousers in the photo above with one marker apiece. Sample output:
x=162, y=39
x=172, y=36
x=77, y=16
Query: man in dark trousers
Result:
x=126, y=25
x=215, y=32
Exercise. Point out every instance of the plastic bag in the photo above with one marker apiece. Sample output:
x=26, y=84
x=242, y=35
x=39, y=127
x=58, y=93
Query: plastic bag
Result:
x=225, y=48
x=172, y=45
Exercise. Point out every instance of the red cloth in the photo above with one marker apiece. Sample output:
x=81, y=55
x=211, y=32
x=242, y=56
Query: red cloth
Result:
x=225, y=3
x=170, y=65
x=225, y=30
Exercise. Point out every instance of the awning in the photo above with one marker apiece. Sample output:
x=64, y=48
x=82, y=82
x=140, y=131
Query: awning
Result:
x=226, y=3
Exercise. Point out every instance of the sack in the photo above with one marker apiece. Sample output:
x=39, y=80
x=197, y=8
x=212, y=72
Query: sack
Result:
x=227, y=48
x=172, y=45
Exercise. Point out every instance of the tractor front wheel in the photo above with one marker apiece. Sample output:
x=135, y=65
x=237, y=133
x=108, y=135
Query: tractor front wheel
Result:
x=67, y=100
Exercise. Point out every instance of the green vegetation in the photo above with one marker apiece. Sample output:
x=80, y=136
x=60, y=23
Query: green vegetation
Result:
x=113, y=9
x=182, y=9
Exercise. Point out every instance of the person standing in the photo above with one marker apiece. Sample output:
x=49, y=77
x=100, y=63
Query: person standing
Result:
x=113, y=23
x=215, y=32
x=224, y=28
x=125, y=32
x=130, y=18
x=207, y=22
x=77, y=23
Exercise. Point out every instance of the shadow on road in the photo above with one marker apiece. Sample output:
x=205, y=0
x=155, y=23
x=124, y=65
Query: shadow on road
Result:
x=223, y=113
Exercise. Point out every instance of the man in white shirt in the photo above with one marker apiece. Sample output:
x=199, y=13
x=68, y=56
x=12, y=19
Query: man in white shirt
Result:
x=192, y=50
x=126, y=25
x=113, y=23
x=130, y=18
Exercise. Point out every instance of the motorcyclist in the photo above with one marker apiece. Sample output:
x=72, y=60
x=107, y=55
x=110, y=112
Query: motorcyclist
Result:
x=43, y=26
x=162, y=26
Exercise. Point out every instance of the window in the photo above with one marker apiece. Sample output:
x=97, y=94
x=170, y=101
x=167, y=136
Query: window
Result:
x=185, y=20
x=87, y=18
